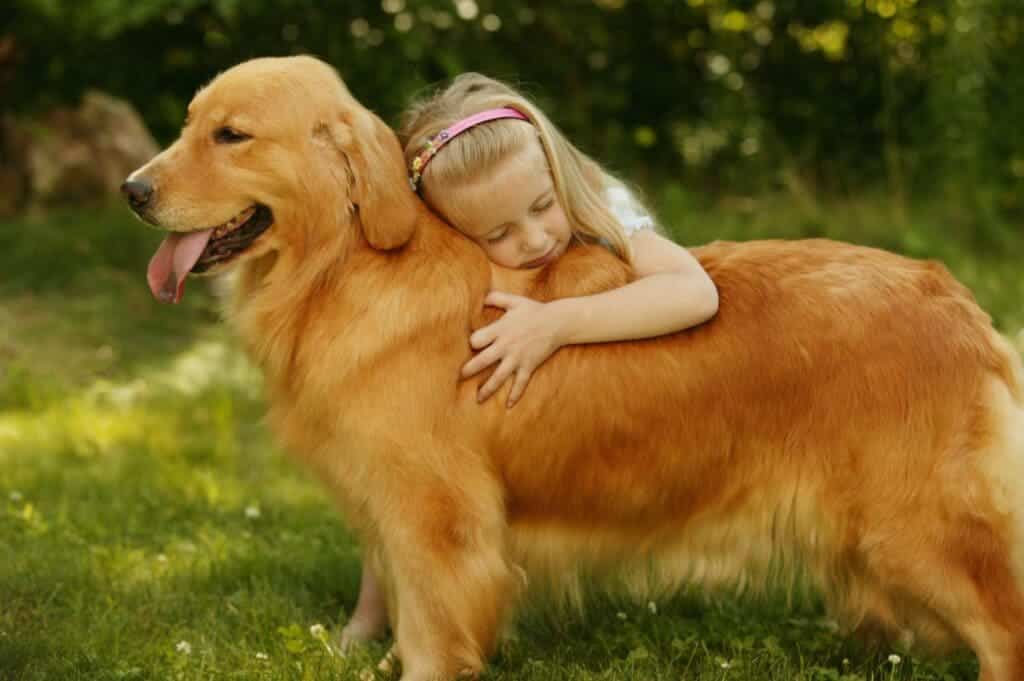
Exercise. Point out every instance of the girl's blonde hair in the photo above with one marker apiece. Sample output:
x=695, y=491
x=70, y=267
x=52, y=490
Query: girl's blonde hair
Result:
x=580, y=183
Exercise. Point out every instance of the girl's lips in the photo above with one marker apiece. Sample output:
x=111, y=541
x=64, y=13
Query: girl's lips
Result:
x=543, y=260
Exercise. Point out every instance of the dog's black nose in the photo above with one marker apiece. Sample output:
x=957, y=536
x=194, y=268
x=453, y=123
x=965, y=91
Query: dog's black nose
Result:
x=138, y=193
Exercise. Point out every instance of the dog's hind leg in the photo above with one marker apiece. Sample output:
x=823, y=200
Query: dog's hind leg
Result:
x=964, y=579
x=995, y=630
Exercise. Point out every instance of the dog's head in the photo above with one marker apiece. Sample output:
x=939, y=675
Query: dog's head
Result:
x=275, y=157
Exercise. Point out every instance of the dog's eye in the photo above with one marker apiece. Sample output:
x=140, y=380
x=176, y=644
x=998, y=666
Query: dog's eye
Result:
x=228, y=135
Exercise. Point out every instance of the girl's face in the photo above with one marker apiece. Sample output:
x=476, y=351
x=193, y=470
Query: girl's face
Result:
x=512, y=212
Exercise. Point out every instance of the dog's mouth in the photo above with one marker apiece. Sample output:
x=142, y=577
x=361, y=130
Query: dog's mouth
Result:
x=184, y=253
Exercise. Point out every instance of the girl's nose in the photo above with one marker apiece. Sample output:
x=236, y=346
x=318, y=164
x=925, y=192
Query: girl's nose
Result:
x=535, y=238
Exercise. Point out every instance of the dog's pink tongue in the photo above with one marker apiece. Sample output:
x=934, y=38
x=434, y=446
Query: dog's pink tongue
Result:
x=172, y=261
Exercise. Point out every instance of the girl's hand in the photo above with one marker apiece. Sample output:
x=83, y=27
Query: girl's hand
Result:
x=525, y=336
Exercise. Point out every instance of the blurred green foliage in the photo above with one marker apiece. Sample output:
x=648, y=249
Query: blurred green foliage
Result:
x=908, y=96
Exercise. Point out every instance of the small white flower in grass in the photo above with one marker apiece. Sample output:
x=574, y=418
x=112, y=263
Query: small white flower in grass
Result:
x=262, y=656
x=318, y=632
x=894, y=659
x=621, y=615
x=846, y=662
x=161, y=558
x=252, y=511
x=184, y=647
x=726, y=664
x=653, y=607
x=16, y=496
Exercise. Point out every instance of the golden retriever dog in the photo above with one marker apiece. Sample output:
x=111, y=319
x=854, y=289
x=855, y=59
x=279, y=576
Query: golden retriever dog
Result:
x=849, y=415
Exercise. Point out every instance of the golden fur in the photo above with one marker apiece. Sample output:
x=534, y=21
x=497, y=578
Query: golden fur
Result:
x=849, y=414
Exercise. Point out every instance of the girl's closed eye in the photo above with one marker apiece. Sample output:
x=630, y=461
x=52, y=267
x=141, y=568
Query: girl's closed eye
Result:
x=542, y=206
x=497, y=236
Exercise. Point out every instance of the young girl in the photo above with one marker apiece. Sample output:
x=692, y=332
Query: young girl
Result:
x=491, y=163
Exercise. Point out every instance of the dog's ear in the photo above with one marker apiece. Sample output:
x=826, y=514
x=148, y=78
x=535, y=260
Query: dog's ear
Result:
x=386, y=206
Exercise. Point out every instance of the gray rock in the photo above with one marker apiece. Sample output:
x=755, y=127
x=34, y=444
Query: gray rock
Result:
x=71, y=156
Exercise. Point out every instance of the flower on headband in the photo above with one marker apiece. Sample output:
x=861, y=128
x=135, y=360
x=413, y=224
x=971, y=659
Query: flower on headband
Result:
x=434, y=144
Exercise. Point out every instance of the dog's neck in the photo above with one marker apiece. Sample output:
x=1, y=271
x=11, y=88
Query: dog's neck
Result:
x=282, y=299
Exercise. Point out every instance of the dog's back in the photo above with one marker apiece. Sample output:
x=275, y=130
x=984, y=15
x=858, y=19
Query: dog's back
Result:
x=843, y=414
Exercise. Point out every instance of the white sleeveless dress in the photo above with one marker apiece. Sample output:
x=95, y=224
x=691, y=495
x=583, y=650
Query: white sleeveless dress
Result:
x=626, y=208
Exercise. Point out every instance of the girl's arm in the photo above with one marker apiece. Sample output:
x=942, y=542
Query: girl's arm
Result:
x=672, y=292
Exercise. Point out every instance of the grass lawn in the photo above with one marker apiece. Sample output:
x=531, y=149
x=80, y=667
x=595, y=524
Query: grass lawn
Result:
x=149, y=528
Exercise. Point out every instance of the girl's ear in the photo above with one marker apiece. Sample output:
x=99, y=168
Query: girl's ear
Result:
x=386, y=207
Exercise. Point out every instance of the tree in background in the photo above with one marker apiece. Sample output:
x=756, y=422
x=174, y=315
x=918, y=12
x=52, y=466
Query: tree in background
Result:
x=916, y=97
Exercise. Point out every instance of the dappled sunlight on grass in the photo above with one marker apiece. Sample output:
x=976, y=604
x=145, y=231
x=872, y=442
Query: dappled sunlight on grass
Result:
x=150, y=411
x=208, y=363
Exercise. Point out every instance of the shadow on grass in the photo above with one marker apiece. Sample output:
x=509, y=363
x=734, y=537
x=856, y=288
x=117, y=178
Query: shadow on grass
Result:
x=75, y=303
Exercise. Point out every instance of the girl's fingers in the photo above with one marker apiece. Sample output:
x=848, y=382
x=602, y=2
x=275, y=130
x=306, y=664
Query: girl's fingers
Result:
x=519, y=387
x=481, y=338
x=503, y=371
x=501, y=299
x=481, y=361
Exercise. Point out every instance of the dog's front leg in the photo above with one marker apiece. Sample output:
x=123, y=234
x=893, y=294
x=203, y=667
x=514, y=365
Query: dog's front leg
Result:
x=452, y=584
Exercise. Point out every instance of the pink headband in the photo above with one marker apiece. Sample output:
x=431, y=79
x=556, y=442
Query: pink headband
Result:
x=434, y=144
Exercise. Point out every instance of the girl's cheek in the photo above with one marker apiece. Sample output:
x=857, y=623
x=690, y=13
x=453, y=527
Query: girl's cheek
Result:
x=499, y=255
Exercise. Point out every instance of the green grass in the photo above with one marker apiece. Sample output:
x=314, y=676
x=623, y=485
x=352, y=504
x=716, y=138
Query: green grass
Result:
x=143, y=503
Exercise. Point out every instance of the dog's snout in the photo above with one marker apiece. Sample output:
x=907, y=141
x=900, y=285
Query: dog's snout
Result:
x=138, y=193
